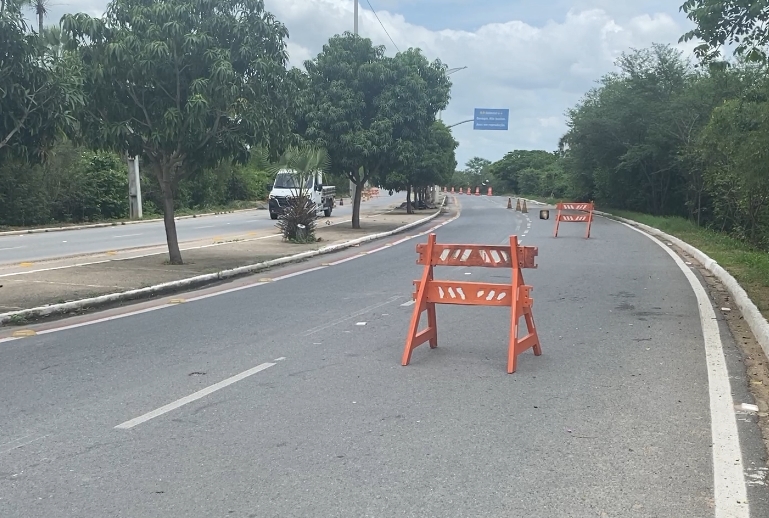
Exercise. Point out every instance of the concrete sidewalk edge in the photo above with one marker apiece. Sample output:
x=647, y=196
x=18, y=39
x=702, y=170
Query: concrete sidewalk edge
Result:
x=199, y=280
x=756, y=321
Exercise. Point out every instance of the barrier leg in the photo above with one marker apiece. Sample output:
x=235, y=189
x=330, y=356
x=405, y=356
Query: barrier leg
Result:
x=416, y=338
x=514, y=309
x=521, y=307
x=589, y=222
x=557, y=220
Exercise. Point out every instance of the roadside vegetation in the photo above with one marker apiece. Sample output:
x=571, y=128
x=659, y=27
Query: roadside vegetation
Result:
x=677, y=144
x=201, y=92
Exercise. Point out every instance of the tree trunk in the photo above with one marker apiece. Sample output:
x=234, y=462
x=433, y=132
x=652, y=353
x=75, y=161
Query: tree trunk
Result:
x=356, y=200
x=409, y=209
x=174, y=254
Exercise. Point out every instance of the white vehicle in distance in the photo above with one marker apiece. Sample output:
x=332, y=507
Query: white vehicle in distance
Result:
x=288, y=184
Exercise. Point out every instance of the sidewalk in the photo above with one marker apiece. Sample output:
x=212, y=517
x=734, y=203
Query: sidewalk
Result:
x=65, y=280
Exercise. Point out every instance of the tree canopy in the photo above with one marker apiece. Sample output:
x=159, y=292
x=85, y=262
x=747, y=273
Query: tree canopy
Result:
x=371, y=111
x=183, y=83
x=722, y=22
x=39, y=91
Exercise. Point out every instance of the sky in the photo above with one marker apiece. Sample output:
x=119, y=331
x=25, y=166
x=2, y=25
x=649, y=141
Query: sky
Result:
x=536, y=58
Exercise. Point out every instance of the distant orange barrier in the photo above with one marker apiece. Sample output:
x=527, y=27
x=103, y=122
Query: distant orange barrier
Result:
x=489, y=193
x=575, y=218
x=516, y=294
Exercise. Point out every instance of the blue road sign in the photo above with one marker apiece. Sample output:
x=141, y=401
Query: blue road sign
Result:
x=489, y=119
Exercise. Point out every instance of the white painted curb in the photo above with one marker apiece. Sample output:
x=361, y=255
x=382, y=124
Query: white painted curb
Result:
x=203, y=279
x=756, y=321
x=116, y=223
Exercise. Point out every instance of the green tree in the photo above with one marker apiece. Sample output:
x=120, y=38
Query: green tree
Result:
x=734, y=147
x=368, y=110
x=39, y=90
x=184, y=83
x=622, y=139
x=433, y=165
x=476, y=166
x=509, y=169
x=722, y=22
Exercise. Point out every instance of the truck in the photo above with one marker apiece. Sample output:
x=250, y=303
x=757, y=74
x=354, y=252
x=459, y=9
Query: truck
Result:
x=287, y=185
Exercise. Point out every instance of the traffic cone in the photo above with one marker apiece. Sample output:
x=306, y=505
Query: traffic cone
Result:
x=509, y=203
x=518, y=205
x=524, y=209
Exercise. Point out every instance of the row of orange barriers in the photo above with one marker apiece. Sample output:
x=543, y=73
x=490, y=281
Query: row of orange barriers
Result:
x=469, y=191
x=516, y=294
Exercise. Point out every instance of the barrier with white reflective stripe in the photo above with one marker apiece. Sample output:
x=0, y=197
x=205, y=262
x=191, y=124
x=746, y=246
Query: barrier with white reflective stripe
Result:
x=587, y=208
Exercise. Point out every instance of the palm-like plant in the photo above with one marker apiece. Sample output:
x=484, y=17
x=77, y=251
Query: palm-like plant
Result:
x=297, y=223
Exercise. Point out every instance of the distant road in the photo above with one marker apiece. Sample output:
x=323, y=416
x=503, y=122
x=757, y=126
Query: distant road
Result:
x=36, y=247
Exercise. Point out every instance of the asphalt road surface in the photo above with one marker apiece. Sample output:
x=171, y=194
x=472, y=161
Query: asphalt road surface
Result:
x=40, y=246
x=306, y=410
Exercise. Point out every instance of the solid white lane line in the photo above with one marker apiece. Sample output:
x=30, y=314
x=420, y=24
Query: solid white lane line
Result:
x=126, y=235
x=346, y=259
x=231, y=290
x=296, y=274
x=409, y=303
x=207, y=226
x=730, y=493
x=193, y=397
x=13, y=248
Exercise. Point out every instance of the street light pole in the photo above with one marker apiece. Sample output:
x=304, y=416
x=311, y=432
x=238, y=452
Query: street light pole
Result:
x=356, y=17
x=458, y=123
x=448, y=73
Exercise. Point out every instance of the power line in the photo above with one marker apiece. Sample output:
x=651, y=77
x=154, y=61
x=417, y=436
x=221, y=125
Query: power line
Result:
x=383, y=27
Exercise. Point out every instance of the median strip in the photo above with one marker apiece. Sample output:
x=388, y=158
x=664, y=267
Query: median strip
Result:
x=239, y=256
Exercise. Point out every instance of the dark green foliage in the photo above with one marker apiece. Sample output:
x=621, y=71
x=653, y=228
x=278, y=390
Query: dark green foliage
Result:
x=185, y=84
x=664, y=138
x=39, y=90
x=371, y=112
x=300, y=212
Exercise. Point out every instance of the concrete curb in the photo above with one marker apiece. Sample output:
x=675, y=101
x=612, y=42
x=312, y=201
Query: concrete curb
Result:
x=756, y=321
x=199, y=280
x=115, y=223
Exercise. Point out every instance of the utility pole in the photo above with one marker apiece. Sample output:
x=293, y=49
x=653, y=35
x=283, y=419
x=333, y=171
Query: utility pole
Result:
x=134, y=188
x=355, y=29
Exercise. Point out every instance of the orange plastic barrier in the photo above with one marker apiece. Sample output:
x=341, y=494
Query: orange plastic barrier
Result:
x=452, y=190
x=477, y=191
x=575, y=218
x=489, y=194
x=516, y=294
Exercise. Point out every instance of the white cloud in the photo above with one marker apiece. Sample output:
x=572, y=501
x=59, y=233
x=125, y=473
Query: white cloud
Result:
x=537, y=69
x=538, y=72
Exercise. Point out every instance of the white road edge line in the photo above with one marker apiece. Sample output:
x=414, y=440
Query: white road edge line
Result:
x=193, y=397
x=729, y=489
